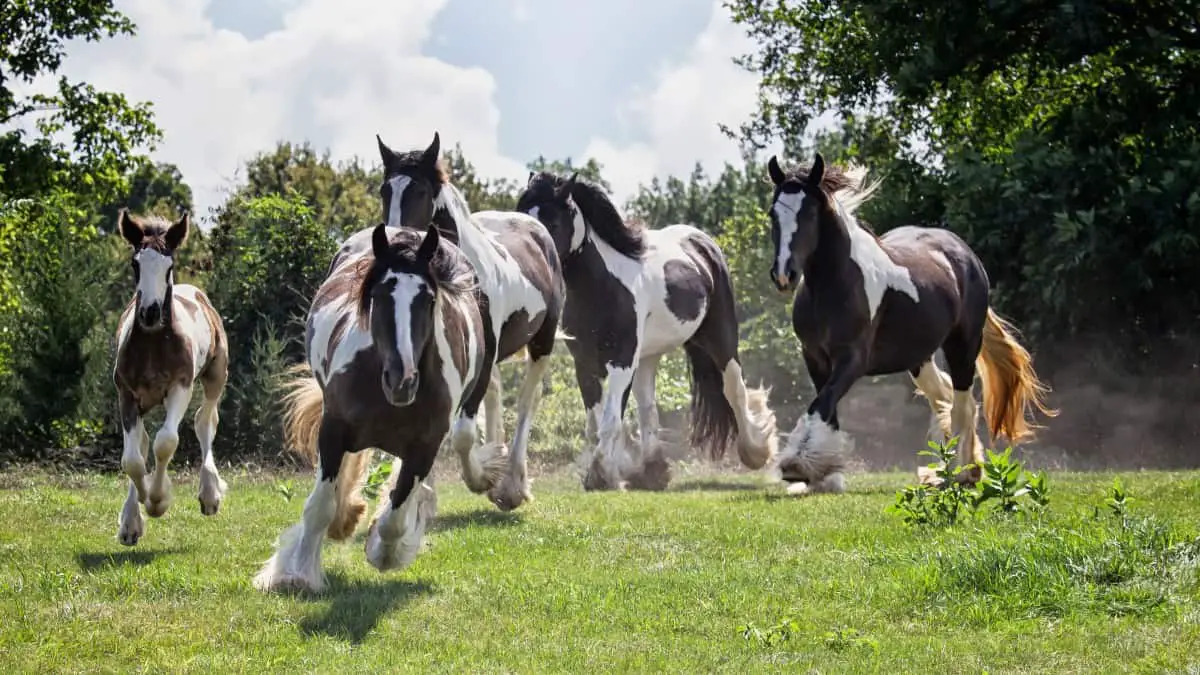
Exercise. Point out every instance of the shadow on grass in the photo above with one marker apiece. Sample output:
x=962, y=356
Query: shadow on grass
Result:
x=358, y=605
x=138, y=557
x=478, y=517
x=711, y=485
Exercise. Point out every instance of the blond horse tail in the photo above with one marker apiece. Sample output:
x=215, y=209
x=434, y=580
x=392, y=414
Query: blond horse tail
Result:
x=1010, y=385
x=303, y=410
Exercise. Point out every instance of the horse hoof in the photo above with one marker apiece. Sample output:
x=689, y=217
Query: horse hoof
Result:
x=655, y=476
x=129, y=538
x=157, y=509
x=209, y=509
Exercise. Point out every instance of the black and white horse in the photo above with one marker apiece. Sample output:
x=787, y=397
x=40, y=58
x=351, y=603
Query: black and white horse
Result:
x=519, y=275
x=872, y=305
x=395, y=342
x=634, y=295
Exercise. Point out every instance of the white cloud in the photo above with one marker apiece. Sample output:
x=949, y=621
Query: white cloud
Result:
x=336, y=73
x=680, y=113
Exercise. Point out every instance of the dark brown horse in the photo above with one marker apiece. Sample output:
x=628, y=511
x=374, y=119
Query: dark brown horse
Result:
x=872, y=305
x=395, y=344
x=169, y=336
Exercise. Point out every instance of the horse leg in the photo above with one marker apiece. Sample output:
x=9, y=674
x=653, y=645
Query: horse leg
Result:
x=513, y=489
x=130, y=525
x=493, y=410
x=960, y=358
x=482, y=465
x=297, y=559
x=655, y=472
x=817, y=449
x=165, y=442
x=936, y=387
x=212, y=487
x=394, y=538
x=609, y=464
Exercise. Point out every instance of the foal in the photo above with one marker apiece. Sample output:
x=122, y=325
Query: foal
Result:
x=872, y=305
x=168, y=337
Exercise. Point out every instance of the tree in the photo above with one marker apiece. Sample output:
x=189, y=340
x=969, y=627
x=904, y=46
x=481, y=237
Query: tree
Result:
x=106, y=130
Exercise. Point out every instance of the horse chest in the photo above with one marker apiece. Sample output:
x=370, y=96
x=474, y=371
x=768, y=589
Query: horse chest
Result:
x=826, y=322
x=148, y=369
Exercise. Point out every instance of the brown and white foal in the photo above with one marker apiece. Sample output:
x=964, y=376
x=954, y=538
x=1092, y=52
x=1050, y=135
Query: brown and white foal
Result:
x=168, y=337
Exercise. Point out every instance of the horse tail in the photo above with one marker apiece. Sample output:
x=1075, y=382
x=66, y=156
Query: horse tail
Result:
x=713, y=422
x=1010, y=385
x=303, y=410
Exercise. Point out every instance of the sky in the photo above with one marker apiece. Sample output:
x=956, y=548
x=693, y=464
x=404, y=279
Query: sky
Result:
x=640, y=85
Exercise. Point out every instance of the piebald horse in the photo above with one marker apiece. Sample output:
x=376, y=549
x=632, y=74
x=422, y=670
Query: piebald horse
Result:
x=168, y=337
x=519, y=275
x=634, y=295
x=872, y=305
x=395, y=343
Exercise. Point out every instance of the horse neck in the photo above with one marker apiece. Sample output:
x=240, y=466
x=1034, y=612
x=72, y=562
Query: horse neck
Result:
x=471, y=238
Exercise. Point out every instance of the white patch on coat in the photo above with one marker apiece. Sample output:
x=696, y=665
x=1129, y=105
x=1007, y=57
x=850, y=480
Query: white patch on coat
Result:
x=354, y=339
x=455, y=381
x=786, y=208
x=509, y=291
x=404, y=294
x=399, y=184
x=579, y=229
x=197, y=329
x=878, y=269
x=154, y=272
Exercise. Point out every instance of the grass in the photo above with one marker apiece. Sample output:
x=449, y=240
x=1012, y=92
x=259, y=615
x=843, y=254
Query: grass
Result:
x=721, y=573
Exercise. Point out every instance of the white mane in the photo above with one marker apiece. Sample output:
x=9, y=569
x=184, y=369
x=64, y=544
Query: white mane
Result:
x=859, y=192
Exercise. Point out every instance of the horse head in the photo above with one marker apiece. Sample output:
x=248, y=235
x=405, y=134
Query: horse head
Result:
x=798, y=206
x=154, y=241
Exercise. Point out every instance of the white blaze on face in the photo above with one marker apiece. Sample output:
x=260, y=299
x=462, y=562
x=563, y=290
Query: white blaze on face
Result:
x=787, y=208
x=408, y=287
x=399, y=184
x=154, y=270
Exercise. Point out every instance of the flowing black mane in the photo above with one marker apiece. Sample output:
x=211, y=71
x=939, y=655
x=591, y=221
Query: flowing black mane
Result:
x=628, y=238
x=849, y=186
x=601, y=214
x=450, y=270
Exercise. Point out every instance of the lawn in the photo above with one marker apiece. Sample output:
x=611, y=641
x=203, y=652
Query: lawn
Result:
x=721, y=573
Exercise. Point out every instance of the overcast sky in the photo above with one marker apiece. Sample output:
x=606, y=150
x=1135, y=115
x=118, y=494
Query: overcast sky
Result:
x=638, y=84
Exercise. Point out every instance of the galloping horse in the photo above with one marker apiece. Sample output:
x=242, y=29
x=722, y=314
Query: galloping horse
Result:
x=395, y=344
x=632, y=296
x=872, y=305
x=520, y=277
x=168, y=337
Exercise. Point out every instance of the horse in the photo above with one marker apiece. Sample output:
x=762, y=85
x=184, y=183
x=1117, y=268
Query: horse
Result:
x=519, y=275
x=395, y=342
x=633, y=295
x=168, y=337
x=870, y=305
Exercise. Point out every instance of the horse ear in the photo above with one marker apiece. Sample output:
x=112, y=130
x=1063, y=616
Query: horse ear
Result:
x=429, y=245
x=568, y=187
x=430, y=157
x=529, y=180
x=777, y=175
x=130, y=228
x=817, y=172
x=385, y=153
x=177, y=233
x=379, y=242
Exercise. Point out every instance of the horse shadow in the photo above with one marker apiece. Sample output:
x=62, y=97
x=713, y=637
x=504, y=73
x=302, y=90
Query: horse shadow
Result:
x=358, y=605
x=91, y=561
x=478, y=517
x=712, y=485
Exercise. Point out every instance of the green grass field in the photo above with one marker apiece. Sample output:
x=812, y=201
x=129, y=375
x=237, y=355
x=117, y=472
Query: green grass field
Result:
x=611, y=582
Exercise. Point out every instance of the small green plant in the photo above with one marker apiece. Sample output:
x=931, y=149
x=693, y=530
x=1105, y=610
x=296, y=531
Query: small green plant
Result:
x=376, y=479
x=285, y=489
x=783, y=631
x=1003, y=483
x=1118, y=499
x=843, y=639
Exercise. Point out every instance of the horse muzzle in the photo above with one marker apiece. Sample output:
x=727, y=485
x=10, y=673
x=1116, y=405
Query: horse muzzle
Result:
x=400, y=389
x=150, y=318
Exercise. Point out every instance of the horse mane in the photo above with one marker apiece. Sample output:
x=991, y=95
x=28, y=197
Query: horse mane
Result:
x=540, y=189
x=848, y=185
x=154, y=232
x=627, y=238
x=452, y=273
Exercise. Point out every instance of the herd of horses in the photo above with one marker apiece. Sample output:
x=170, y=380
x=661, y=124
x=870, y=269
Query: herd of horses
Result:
x=405, y=333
